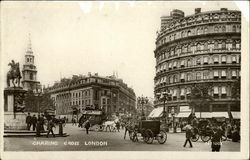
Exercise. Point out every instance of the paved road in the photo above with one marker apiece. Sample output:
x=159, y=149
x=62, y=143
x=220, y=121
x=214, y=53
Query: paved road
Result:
x=108, y=141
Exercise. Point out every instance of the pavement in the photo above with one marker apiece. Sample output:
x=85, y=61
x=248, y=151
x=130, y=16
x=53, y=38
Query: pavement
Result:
x=78, y=140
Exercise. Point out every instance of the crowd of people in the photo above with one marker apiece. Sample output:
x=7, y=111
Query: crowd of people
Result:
x=42, y=123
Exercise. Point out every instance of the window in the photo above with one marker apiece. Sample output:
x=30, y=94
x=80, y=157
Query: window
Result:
x=223, y=45
x=198, y=61
x=182, y=77
x=31, y=76
x=189, y=63
x=205, y=60
x=189, y=33
x=205, y=46
x=189, y=48
x=182, y=63
x=234, y=45
x=188, y=93
x=189, y=77
x=175, y=94
x=198, y=47
x=223, y=92
x=233, y=59
x=182, y=93
x=216, y=92
x=216, y=45
x=175, y=79
x=205, y=30
x=223, y=28
x=174, y=65
x=234, y=28
x=198, y=31
x=223, y=59
x=216, y=59
x=223, y=74
x=171, y=79
x=170, y=66
x=198, y=76
x=234, y=74
x=216, y=29
x=205, y=75
x=216, y=74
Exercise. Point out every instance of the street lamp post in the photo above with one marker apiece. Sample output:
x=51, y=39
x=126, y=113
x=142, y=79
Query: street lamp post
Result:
x=142, y=100
x=163, y=96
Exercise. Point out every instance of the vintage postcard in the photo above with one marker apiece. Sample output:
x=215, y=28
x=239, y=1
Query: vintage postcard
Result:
x=124, y=80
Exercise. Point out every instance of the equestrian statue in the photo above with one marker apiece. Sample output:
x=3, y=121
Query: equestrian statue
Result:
x=14, y=74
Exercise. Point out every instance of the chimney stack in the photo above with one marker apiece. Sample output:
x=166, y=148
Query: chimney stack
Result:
x=197, y=10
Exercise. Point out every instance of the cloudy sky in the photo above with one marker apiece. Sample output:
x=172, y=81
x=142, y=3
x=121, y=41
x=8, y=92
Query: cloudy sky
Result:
x=76, y=38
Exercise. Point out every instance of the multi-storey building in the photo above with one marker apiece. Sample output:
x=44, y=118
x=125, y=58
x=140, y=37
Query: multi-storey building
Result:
x=107, y=94
x=199, y=48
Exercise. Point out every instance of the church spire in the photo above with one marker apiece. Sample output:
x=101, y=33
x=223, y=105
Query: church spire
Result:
x=29, y=48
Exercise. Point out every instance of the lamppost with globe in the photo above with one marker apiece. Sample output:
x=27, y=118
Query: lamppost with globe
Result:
x=163, y=96
x=142, y=100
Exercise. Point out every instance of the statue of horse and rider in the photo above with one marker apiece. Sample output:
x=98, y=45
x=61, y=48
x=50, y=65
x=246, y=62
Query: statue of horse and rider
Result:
x=14, y=74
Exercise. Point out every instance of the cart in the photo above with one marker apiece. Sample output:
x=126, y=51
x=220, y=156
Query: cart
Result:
x=149, y=130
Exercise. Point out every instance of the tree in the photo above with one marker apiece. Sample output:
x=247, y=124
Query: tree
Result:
x=200, y=96
x=38, y=102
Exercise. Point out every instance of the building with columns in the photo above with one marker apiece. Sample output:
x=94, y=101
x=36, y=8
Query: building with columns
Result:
x=204, y=47
x=106, y=94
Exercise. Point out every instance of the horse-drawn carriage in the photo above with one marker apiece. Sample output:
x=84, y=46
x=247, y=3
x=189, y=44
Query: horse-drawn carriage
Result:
x=149, y=130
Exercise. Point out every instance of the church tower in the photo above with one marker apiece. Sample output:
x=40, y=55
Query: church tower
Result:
x=29, y=71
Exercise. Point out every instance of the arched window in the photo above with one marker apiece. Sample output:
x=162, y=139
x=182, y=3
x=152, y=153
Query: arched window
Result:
x=205, y=74
x=223, y=45
x=189, y=48
x=189, y=33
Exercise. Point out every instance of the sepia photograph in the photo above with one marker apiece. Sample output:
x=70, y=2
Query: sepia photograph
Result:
x=152, y=79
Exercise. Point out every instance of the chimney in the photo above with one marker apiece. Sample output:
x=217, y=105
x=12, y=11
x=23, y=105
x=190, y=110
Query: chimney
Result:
x=197, y=10
x=223, y=9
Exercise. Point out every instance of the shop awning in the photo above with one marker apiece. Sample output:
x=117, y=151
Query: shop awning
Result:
x=203, y=114
x=183, y=114
x=220, y=114
x=157, y=112
x=236, y=115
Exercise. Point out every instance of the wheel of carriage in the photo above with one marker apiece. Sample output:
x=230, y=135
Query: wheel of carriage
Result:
x=195, y=138
x=205, y=138
x=162, y=137
x=149, y=136
x=134, y=136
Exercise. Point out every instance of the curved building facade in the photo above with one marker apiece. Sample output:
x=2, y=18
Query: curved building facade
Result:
x=200, y=48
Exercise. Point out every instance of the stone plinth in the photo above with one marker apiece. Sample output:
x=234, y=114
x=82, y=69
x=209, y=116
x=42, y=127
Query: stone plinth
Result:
x=14, y=124
x=13, y=120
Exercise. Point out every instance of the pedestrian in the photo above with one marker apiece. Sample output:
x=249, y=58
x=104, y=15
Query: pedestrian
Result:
x=216, y=140
x=128, y=128
x=28, y=121
x=189, y=133
x=118, y=126
x=42, y=119
x=51, y=124
x=87, y=126
x=34, y=122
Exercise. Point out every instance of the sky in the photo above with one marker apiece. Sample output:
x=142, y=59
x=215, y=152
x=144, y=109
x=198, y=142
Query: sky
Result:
x=72, y=38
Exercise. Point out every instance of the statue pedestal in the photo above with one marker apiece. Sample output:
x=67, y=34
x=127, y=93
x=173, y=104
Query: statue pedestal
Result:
x=13, y=120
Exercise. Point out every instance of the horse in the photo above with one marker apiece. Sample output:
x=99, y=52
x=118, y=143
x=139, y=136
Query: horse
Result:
x=14, y=74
